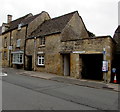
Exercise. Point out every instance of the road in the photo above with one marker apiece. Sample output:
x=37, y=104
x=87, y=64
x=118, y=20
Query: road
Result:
x=28, y=93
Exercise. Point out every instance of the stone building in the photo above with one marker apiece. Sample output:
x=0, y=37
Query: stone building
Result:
x=116, y=63
x=63, y=46
x=0, y=46
x=60, y=45
x=13, y=37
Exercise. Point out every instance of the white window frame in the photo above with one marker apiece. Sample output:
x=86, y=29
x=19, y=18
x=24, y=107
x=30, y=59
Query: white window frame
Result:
x=41, y=60
x=17, y=58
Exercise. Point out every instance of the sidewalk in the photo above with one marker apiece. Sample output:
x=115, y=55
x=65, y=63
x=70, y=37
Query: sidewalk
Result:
x=66, y=79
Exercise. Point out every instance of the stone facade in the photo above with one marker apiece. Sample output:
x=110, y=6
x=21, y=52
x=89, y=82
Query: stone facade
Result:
x=75, y=29
x=63, y=49
x=15, y=34
x=61, y=46
x=37, y=21
x=51, y=52
x=88, y=46
x=5, y=51
x=0, y=47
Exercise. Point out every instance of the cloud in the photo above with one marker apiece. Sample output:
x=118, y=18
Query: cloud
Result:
x=99, y=16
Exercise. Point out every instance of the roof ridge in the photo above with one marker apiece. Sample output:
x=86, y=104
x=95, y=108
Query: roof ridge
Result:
x=64, y=15
x=36, y=15
x=23, y=17
x=53, y=25
x=58, y=17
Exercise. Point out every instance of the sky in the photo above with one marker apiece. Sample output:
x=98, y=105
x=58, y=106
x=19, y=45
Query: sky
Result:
x=99, y=16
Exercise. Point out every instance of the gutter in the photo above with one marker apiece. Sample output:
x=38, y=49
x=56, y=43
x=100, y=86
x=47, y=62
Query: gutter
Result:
x=37, y=36
x=92, y=38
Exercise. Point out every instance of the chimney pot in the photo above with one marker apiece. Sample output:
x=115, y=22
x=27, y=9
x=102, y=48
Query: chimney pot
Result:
x=9, y=18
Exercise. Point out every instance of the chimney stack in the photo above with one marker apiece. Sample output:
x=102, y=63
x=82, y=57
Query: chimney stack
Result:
x=9, y=18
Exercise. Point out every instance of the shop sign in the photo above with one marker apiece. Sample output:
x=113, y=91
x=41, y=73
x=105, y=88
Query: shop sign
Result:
x=113, y=70
x=10, y=47
x=105, y=66
x=78, y=52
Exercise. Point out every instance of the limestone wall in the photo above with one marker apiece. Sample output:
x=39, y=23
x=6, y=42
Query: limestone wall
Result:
x=5, y=51
x=88, y=46
x=75, y=29
x=37, y=21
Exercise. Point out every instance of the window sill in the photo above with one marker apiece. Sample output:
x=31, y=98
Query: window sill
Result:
x=41, y=65
x=41, y=46
x=17, y=63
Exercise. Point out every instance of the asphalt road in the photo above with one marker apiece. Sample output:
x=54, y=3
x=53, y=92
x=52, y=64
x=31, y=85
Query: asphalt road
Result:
x=28, y=93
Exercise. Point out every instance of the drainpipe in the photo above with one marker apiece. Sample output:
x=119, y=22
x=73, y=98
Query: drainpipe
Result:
x=9, y=49
x=35, y=53
x=106, y=65
x=25, y=46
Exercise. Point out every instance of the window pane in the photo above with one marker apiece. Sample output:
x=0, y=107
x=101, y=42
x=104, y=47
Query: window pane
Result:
x=42, y=40
x=43, y=61
x=18, y=58
x=40, y=60
x=18, y=42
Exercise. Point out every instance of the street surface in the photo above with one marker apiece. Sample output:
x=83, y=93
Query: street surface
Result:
x=21, y=92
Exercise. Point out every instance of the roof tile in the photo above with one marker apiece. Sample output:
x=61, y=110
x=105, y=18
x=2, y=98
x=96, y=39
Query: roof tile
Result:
x=54, y=25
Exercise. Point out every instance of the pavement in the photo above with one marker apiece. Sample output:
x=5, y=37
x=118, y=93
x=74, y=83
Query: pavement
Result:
x=67, y=79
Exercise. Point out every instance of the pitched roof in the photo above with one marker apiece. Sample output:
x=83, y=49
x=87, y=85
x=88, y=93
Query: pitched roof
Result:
x=23, y=20
x=52, y=26
x=118, y=29
x=14, y=24
x=116, y=37
x=117, y=33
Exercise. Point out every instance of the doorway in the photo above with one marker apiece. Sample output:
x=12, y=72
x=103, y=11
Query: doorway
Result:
x=66, y=64
x=92, y=66
x=29, y=63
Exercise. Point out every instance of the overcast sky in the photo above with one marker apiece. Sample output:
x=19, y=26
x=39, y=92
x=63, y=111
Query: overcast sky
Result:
x=99, y=16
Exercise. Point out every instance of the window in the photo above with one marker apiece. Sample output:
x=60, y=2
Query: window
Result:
x=19, y=26
x=17, y=58
x=5, y=42
x=18, y=42
x=42, y=40
x=41, y=60
x=5, y=55
x=3, y=29
x=11, y=41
